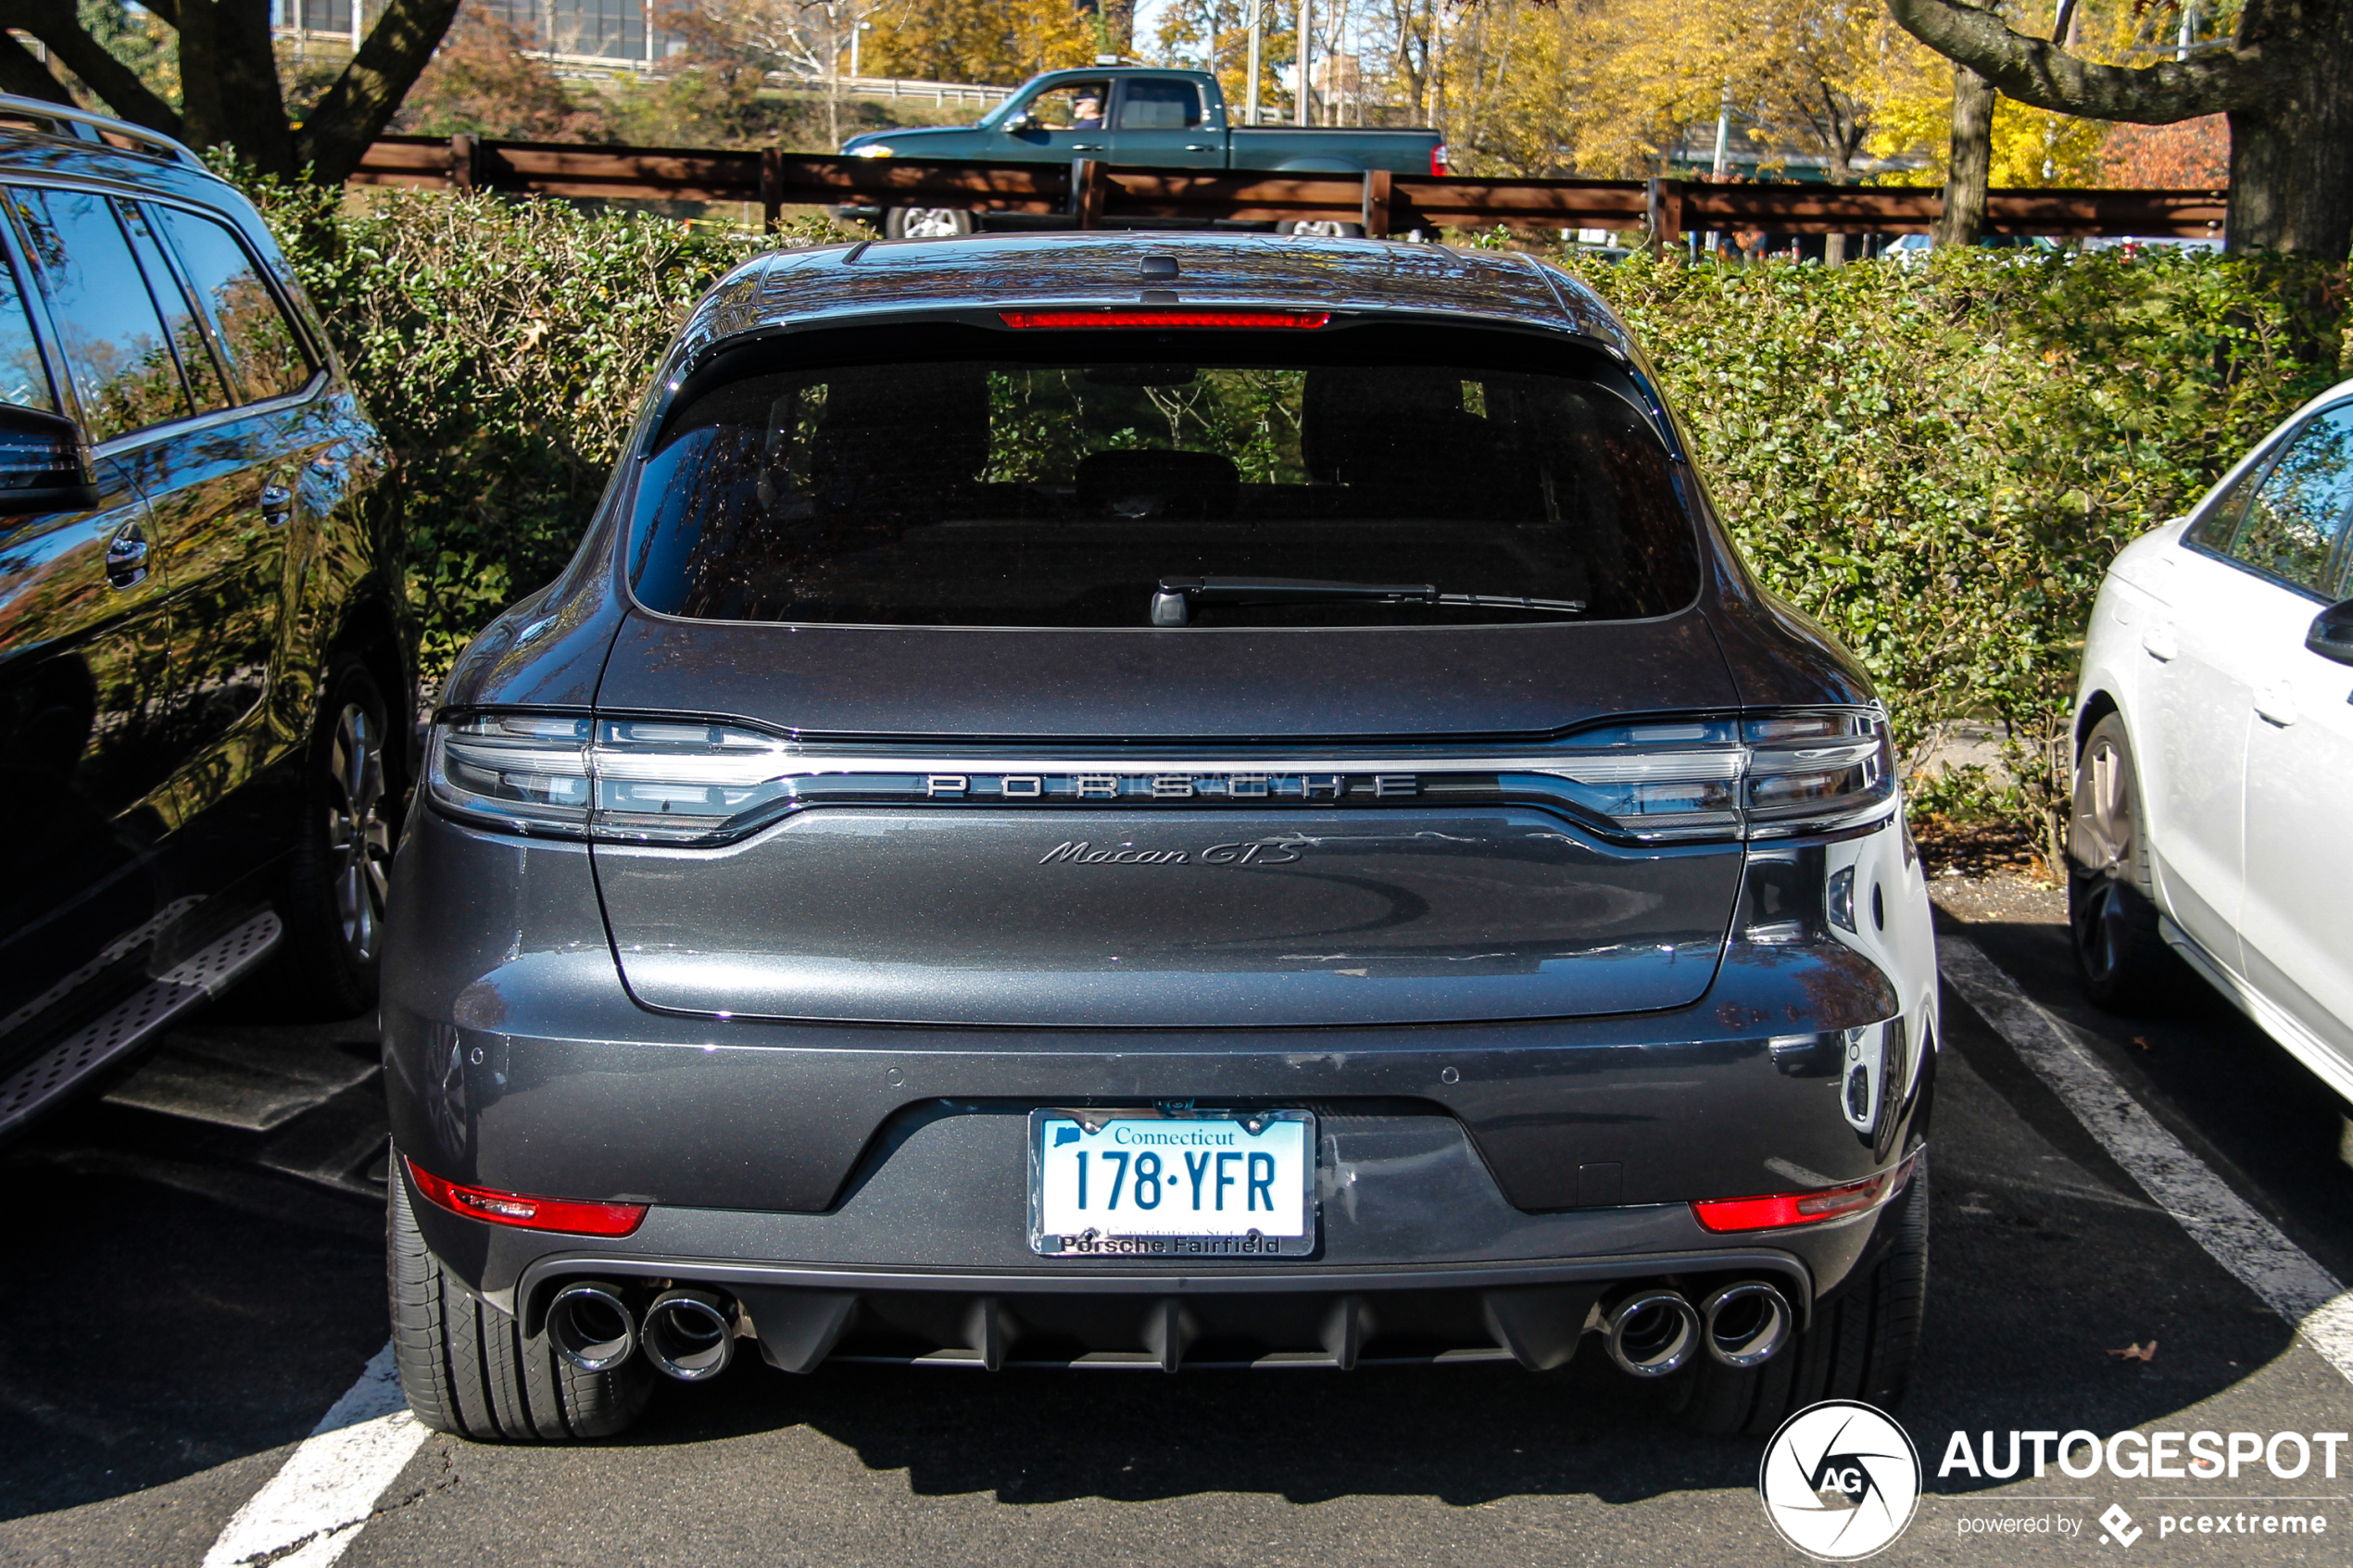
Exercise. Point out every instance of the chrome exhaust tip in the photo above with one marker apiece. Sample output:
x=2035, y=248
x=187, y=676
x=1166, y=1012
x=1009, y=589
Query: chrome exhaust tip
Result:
x=1746, y=1325
x=590, y=1326
x=1652, y=1333
x=690, y=1334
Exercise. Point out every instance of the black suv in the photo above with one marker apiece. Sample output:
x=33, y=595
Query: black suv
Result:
x=207, y=674
x=1155, y=802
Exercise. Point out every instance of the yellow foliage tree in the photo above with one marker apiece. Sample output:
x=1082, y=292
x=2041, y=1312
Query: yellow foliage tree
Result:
x=999, y=42
x=1611, y=87
x=2031, y=146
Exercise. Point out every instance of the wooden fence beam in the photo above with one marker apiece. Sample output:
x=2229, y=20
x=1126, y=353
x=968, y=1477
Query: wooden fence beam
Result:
x=1090, y=193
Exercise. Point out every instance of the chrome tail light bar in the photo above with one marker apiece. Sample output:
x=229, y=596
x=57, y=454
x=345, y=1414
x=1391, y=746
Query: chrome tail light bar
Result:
x=669, y=781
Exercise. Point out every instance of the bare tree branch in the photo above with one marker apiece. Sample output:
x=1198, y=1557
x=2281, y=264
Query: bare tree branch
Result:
x=360, y=103
x=54, y=23
x=22, y=73
x=2036, y=72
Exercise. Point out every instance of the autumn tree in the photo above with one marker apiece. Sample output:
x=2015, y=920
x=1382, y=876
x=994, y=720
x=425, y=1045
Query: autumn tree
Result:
x=2284, y=79
x=230, y=93
x=483, y=81
x=999, y=42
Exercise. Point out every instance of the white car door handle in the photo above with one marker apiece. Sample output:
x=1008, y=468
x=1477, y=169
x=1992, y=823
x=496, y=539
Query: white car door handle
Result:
x=2156, y=641
x=2276, y=705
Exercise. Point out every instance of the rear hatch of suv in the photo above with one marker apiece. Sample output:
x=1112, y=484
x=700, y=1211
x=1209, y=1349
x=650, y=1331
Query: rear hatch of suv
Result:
x=1098, y=675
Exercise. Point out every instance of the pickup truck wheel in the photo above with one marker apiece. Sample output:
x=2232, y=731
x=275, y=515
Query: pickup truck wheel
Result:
x=1321, y=230
x=927, y=223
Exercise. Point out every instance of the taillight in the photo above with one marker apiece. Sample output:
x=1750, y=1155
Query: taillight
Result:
x=1801, y=1208
x=639, y=781
x=1149, y=319
x=1438, y=161
x=686, y=782
x=529, y=1213
x=1766, y=777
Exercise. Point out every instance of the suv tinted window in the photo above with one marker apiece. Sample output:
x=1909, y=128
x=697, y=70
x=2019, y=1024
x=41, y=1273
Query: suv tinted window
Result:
x=23, y=379
x=2293, y=524
x=178, y=317
x=265, y=351
x=1053, y=478
x=112, y=341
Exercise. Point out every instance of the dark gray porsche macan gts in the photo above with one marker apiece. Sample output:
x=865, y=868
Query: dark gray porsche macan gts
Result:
x=1155, y=802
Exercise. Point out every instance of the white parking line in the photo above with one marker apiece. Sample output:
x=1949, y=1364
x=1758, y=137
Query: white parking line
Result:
x=315, y=1505
x=2243, y=1241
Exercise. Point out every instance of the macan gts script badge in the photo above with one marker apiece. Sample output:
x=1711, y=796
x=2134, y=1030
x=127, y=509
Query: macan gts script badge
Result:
x=1259, y=852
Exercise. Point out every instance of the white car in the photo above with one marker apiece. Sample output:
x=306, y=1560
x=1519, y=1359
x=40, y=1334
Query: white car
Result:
x=2213, y=811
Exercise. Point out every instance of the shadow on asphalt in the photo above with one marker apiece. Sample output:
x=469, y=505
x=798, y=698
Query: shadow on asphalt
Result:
x=172, y=1301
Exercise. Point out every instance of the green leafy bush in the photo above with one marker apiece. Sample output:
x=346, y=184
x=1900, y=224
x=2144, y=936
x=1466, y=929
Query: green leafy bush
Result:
x=1939, y=462
x=502, y=346
x=1936, y=462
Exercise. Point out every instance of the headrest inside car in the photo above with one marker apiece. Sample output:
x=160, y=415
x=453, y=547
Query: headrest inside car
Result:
x=1154, y=485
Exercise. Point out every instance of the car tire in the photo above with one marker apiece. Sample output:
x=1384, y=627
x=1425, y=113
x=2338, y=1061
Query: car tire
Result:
x=336, y=885
x=2121, y=954
x=1861, y=1345
x=927, y=223
x=1317, y=230
x=469, y=1369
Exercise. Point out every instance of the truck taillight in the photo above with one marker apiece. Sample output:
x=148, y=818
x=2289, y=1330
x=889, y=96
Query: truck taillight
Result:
x=1438, y=161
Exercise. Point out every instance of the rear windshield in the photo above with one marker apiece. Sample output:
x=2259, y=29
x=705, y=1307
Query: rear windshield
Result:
x=954, y=476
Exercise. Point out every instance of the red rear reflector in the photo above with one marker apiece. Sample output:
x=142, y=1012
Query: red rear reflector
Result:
x=1800, y=1207
x=1132, y=319
x=530, y=1214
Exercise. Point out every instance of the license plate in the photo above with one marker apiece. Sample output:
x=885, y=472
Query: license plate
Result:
x=1206, y=1183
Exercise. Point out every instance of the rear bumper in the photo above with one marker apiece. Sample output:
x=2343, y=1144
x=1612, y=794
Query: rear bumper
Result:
x=869, y=1183
x=945, y=1282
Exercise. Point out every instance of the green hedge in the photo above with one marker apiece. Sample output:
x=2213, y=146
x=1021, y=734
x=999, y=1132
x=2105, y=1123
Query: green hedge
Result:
x=1940, y=461
x=1937, y=461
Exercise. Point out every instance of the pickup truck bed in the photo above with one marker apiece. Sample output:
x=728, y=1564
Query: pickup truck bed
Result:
x=1134, y=117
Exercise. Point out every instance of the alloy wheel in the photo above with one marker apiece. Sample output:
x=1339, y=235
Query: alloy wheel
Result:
x=358, y=836
x=2101, y=845
x=930, y=223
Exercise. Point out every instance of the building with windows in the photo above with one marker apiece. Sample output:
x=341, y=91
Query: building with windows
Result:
x=586, y=30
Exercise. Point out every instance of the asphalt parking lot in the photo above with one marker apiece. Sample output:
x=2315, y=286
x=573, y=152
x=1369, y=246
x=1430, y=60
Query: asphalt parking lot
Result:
x=195, y=1276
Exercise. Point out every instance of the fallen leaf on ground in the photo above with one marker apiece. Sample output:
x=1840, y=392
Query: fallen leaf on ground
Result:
x=2135, y=1352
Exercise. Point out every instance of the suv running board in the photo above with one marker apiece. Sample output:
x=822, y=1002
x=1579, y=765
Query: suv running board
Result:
x=134, y=1020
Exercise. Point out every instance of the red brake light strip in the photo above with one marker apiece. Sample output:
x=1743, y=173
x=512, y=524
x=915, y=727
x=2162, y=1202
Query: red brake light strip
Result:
x=1151, y=319
x=1799, y=1208
x=528, y=1213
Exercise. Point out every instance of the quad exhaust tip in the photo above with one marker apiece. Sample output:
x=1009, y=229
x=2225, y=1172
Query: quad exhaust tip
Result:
x=1652, y=1333
x=1745, y=1325
x=690, y=1334
x=591, y=1325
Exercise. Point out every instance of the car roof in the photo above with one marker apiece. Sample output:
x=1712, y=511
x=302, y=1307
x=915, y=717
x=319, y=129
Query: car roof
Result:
x=822, y=285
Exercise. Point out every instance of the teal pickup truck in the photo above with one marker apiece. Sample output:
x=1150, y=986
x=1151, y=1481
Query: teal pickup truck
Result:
x=1135, y=116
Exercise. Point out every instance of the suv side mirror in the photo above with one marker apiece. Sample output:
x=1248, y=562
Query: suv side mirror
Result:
x=1018, y=121
x=2332, y=632
x=44, y=463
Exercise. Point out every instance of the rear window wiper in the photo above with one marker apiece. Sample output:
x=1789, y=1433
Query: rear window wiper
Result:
x=1174, y=600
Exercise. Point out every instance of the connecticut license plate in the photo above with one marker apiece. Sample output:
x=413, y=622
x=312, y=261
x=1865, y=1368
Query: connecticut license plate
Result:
x=1205, y=1183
